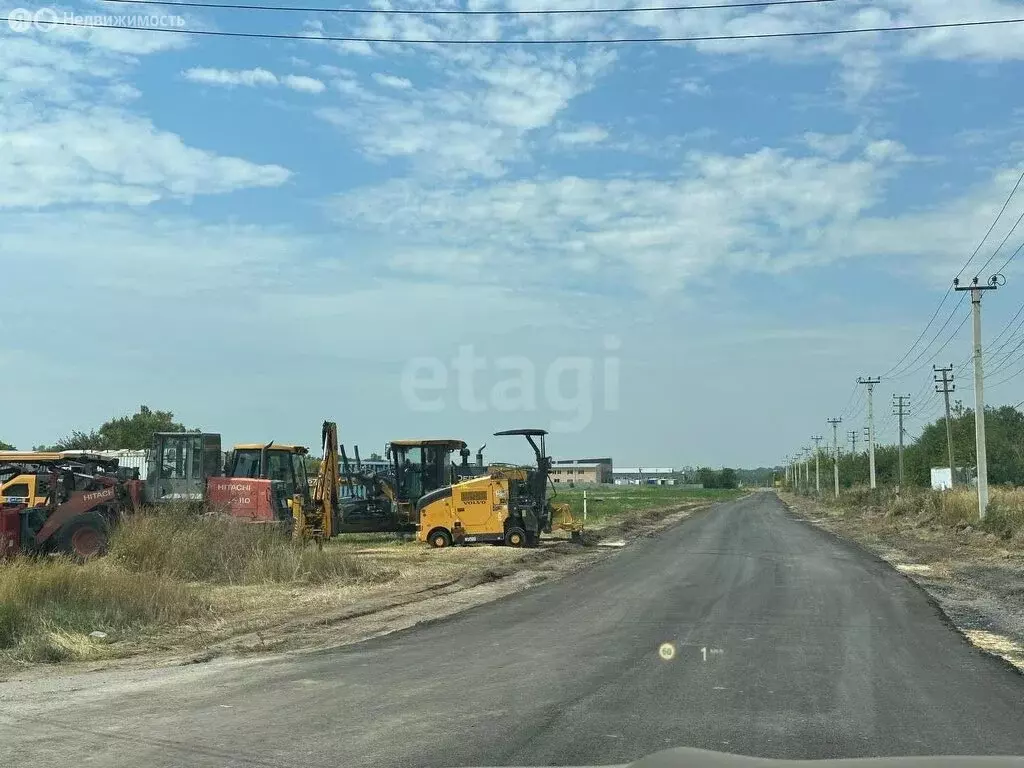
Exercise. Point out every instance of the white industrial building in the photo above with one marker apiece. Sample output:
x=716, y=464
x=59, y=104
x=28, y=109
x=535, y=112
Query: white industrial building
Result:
x=644, y=476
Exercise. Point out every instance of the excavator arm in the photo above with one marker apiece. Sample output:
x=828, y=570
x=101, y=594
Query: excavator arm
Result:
x=327, y=488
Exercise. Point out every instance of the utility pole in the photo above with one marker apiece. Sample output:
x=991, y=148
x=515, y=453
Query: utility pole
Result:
x=835, y=451
x=853, y=441
x=979, y=387
x=947, y=387
x=900, y=404
x=870, y=383
x=817, y=463
x=807, y=467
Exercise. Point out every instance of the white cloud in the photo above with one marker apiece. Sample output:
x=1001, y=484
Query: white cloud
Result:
x=764, y=211
x=303, y=83
x=68, y=137
x=228, y=77
x=475, y=122
x=584, y=136
x=694, y=86
x=105, y=156
x=252, y=78
x=391, y=81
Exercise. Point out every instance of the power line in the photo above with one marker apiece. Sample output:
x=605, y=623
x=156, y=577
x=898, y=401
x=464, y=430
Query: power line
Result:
x=1010, y=258
x=519, y=41
x=909, y=370
x=1000, y=246
x=949, y=290
x=994, y=222
x=918, y=339
x=466, y=12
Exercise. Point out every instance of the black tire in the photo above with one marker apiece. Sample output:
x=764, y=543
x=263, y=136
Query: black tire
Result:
x=515, y=537
x=532, y=539
x=439, y=538
x=84, y=536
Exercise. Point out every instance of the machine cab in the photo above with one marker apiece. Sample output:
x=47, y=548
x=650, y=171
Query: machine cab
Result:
x=422, y=466
x=180, y=464
x=284, y=464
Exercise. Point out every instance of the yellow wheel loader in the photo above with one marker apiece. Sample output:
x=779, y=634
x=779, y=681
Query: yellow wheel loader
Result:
x=508, y=505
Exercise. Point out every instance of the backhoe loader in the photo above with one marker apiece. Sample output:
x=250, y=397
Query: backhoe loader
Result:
x=381, y=501
x=509, y=505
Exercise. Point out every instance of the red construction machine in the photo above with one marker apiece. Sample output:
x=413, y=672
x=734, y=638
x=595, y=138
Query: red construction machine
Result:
x=55, y=504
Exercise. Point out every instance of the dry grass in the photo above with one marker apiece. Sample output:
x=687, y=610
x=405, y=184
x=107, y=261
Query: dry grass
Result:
x=49, y=606
x=957, y=508
x=220, y=550
x=169, y=574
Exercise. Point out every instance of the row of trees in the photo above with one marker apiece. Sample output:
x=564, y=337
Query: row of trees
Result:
x=1004, y=433
x=134, y=431
x=717, y=478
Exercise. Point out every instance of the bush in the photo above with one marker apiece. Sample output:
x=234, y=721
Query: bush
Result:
x=221, y=550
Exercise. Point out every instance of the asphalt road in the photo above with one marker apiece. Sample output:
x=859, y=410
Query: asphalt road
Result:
x=787, y=643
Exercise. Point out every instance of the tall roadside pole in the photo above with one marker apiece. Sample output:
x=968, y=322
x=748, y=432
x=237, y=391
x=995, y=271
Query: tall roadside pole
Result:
x=807, y=467
x=853, y=441
x=817, y=464
x=870, y=384
x=947, y=387
x=835, y=451
x=900, y=404
x=979, y=388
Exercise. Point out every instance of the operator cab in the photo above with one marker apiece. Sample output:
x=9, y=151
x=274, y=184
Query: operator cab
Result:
x=284, y=464
x=422, y=466
x=179, y=465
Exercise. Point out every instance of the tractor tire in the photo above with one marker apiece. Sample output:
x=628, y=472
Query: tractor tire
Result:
x=84, y=536
x=532, y=540
x=515, y=537
x=439, y=538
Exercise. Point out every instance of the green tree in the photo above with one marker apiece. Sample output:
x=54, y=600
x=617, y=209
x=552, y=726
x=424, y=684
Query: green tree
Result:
x=6, y=446
x=727, y=478
x=134, y=432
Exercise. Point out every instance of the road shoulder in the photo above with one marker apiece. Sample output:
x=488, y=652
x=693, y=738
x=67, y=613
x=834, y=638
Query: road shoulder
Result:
x=975, y=581
x=389, y=610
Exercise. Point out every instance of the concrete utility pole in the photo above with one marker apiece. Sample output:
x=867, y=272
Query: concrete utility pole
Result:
x=817, y=463
x=835, y=451
x=870, y=383
x=979, y=387
x=947, y=387
x=807, y=467
x=853, y=441
x=900, y=404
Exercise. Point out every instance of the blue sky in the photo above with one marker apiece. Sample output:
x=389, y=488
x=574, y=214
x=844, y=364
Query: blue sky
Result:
x=671, y=254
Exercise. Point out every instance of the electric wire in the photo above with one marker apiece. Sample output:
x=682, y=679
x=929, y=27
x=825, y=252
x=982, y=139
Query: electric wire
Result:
x=466, y=11
x=516, y=41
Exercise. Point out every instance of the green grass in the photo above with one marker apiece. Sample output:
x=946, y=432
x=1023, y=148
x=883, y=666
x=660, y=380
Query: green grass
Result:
x=606, y=502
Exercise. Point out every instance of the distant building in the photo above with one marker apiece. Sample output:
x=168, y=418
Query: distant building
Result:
x=581, y=470
x=645, y=476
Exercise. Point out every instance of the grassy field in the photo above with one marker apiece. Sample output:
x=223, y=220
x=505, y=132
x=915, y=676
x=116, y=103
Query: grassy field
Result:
x=607, y=503
x=173, y=581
